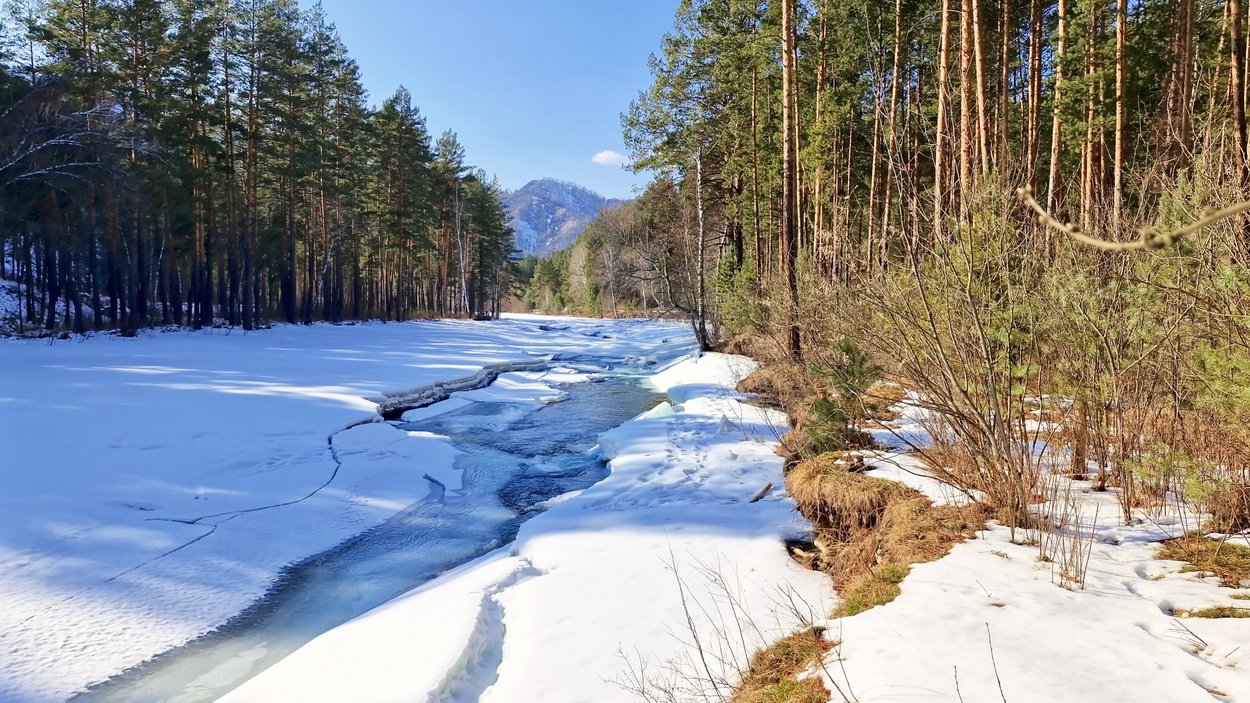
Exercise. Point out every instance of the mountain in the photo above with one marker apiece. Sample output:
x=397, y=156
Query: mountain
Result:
x=548, y=214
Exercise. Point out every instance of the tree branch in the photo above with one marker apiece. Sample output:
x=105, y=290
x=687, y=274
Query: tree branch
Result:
x=1151, y=238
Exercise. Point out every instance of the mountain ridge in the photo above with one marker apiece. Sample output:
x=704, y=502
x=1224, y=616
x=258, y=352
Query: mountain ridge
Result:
x=548, y=214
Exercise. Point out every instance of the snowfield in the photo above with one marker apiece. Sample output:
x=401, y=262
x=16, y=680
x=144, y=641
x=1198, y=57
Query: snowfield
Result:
x=153, y=487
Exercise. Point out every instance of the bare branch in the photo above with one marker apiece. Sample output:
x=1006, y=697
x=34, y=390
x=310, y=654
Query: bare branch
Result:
x=1151, y=238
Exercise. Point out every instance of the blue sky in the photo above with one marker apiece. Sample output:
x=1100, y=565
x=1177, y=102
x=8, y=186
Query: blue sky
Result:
x=533, y=89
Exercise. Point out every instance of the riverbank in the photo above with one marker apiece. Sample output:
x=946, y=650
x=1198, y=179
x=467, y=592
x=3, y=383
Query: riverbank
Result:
x=1080, y=603
x=665, y=576
x=155, y=486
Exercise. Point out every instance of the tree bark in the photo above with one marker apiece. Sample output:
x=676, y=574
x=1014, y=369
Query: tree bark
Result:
x=1033, y=139
x=1236, y=79
x=967, y=119
x=789, y=178
x=978, y=45
x=940, y=139
x=1117, y=188
x=1056, y=131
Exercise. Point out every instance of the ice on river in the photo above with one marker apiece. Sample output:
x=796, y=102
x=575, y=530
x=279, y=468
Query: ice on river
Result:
x=600, y=588
x=153, y=487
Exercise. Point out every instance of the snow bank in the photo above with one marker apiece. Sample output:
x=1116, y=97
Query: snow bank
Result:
x=991, y=615
x=1114, y=641
x=155, y=486
x=595, y=586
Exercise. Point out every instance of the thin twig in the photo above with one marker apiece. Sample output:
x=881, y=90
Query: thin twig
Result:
x=990, y=639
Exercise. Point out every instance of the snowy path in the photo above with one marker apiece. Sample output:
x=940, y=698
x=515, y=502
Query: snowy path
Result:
x=590, y=588
x=153, y=487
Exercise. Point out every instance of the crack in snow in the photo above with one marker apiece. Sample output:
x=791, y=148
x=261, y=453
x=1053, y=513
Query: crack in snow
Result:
x=111, y=579
x=483, y=379
x=417, y=396
x=478, y=667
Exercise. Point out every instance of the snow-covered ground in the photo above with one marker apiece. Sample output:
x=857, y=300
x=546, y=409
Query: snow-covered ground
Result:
x=991, y=622
x=588, y=601
x=153, y=487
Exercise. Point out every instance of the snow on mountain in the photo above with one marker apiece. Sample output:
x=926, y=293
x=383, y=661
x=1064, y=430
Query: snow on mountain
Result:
x=549, y=214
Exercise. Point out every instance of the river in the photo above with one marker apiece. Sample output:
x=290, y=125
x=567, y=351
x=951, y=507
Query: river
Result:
x=514, y=458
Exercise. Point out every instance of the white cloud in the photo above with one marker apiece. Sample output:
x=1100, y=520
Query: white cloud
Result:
x=610, y=158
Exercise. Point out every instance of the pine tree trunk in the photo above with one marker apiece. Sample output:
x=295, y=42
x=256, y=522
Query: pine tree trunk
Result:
x=967, y=119
x=892, y=145
x=1035, y=90
x=1003, y=144
x=1117, y=193
x=822, y=171
x=978, y=44
x=755, y=178
x=1236, y=75
x=940, y=140
x=1056, y=132
x=1188, y=50
x=873, y=181
x=789, y=177
x=1090, y=156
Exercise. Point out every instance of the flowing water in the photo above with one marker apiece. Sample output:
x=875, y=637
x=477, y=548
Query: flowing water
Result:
x=514, y=458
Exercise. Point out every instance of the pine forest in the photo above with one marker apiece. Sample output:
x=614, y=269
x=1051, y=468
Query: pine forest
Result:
x=992, y=201
x=201, y=162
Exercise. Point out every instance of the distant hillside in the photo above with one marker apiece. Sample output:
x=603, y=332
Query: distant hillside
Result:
x=548, y=214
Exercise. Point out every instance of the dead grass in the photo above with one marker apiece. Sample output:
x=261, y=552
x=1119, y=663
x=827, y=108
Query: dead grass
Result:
x=1215, y=611
x=763, y=349
x=1007, y=494
x=870, y=530
x=1229, y=504
x=772, y=676
x=1230, y=562
x=788, y=387
x=880, y=397
x=879, y=588
x=784, y=385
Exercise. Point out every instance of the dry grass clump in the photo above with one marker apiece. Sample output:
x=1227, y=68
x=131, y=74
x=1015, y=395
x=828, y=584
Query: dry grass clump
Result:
x=1228, y=502
x=880, y=397
x=815, y=418
x=870, y=530
x=1006, y=495
x=1215, y=611
x=842, y=504
x=1230, y=562
x=1005, y=488
x=764, y=349
x=878, y=588
x=772, y=676
x=784, y=385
